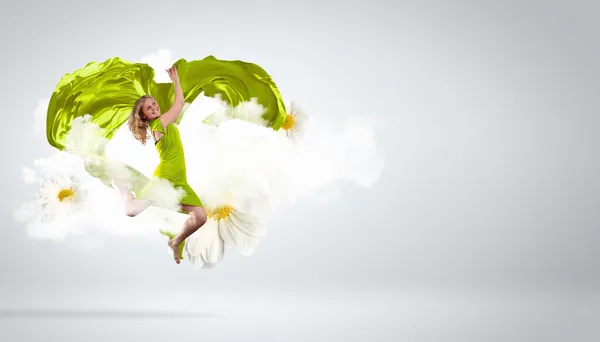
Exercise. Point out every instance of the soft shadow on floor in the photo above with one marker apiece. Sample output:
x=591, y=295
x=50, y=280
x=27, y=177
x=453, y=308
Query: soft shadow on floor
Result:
x=99, y=314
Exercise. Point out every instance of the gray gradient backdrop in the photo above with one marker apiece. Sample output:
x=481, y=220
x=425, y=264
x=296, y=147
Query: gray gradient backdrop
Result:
x=482, y=227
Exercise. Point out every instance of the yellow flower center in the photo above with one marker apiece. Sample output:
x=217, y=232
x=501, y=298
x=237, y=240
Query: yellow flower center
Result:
x=219, y=213
x=288, y=123
x=65, y=194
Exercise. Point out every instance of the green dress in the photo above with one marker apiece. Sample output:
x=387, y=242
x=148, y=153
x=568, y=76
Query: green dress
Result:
x=172, y=161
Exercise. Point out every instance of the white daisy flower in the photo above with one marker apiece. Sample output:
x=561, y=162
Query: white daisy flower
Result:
x=240, y=228
x=295, y=123
x=233, y=221
x=59, y=210
x=60, y=196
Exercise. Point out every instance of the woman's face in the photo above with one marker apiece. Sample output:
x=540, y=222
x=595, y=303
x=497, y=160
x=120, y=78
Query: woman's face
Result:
x=150, y=109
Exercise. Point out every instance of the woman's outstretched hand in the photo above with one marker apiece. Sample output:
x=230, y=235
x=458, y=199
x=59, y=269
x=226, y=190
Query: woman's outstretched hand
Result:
x=172, y=71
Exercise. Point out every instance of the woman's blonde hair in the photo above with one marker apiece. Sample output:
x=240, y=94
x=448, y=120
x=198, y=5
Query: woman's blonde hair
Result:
x=138, y=124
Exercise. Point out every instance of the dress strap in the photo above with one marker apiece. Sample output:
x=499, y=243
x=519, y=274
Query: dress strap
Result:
x=155, y=126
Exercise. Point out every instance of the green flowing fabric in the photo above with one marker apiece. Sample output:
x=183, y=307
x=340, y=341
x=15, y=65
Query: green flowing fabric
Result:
x=107, y=91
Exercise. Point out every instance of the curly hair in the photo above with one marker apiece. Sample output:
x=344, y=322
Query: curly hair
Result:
x=138, y=124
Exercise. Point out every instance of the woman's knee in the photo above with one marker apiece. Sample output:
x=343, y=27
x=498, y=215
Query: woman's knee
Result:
x=135, y=207
x=130, y=210
x=199, y=216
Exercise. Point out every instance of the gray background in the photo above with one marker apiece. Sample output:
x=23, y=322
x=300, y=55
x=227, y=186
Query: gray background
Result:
x=482, y=226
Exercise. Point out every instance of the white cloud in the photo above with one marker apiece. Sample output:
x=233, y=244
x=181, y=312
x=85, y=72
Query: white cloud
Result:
x=267, y=162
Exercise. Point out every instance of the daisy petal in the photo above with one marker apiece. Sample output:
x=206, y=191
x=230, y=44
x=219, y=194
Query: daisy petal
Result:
x=205, y=248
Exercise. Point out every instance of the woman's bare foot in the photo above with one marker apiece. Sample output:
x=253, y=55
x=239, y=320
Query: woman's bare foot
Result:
x=175, y=248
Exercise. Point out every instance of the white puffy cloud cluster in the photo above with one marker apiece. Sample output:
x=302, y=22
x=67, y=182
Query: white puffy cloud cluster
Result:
x=238, y=164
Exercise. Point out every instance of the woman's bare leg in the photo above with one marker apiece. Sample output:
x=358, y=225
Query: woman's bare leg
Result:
x=196, y=220
x=132, y=206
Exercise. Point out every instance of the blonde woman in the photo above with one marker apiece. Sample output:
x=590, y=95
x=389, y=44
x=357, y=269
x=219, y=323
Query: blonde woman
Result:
x=146, y=116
